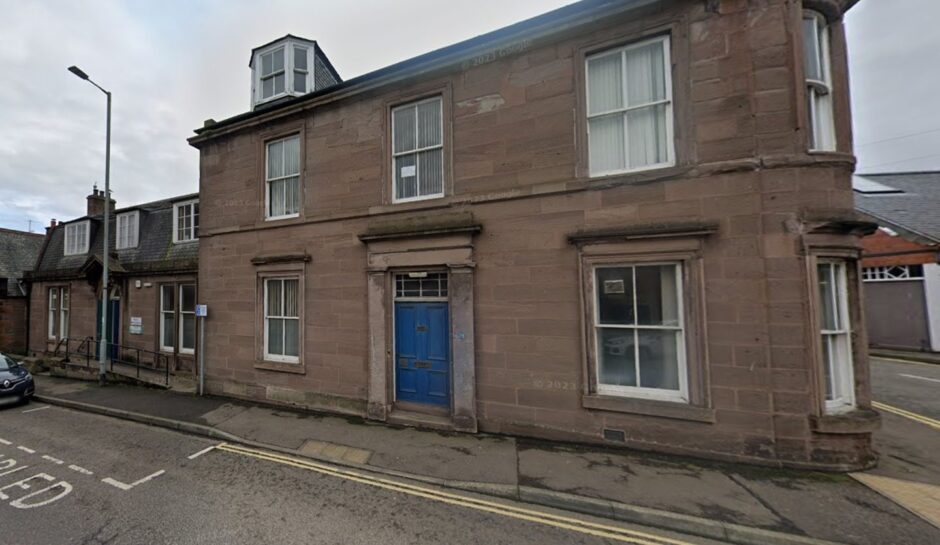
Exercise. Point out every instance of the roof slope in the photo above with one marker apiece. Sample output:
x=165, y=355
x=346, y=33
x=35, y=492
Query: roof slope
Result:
x=915, y=208
x=155, y=251
x=18, y=253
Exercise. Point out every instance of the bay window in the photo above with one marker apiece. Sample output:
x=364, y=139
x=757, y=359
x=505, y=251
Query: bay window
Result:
x=835, y=335
x=629, y=108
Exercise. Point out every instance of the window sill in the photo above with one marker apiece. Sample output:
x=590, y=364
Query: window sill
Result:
x=282, y=218
x=852, y=422
x=281, y=367
x=649, y=407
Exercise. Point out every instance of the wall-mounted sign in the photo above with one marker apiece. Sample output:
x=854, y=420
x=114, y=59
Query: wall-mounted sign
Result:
x=202, y=311
x=137, y=325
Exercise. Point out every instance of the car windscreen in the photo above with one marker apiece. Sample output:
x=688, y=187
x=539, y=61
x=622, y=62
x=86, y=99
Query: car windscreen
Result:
x=6, y=363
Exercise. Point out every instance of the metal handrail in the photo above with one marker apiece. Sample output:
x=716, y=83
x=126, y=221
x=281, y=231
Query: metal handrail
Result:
x=125, y=355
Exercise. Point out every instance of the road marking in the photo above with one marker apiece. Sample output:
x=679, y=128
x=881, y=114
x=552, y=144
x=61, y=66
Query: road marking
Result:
x=907, y=414
x=909, y=362
x=36, y=409
x=5, y=442
x=125, y=487
x=51, y=459
x=918, y=377
x=26, y=449
x=81, y=470
x=203, y=451
x=549, y=519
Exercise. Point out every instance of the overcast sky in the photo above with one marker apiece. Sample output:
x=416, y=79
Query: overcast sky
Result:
x=174, y=63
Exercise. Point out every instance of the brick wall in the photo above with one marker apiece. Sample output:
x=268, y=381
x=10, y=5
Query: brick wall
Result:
x=13, y=325
x=907, y=252
x=517, y=161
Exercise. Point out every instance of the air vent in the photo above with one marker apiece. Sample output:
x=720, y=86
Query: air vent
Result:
x=615, y=435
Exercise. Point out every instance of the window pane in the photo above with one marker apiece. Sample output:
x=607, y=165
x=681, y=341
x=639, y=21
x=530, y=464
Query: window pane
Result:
x=291, y=156
x=616, y=357
x=279, y=83
x=607, y=151
x=274, y=298
x=168, y=330
x=291, y=337
x=195, y=209
x=291, y=307
x=278, y=59
x=823, y=128
x=276, y=159
x=275, y=336
x=267, y=63
x=646, y=135
x=189, y=331
x=615, y=295
x=431, y=172
x=811, y=52
x=277, y=200
x=300, y=58
x=828, y=313
x=65, y=299
x=646, y=81
x=188, y=298
x=827, y=362
x=53, y=298
x=300, y=82
x=167, y=300
x=429, y=124
x=406, y=180
x=605, y=83
x=292, y=195
x=267, y=88
x=657, y=302
x=659, y=358
x=405, y=131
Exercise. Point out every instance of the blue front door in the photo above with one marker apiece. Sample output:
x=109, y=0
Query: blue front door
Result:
x=422, y=358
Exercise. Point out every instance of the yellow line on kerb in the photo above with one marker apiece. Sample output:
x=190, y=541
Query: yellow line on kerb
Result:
x=907, y=414
x=558, y=521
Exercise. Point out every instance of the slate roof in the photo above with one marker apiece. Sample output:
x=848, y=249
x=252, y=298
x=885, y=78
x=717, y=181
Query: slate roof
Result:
x=18, y=253
x=913, y=209
x=155, y=251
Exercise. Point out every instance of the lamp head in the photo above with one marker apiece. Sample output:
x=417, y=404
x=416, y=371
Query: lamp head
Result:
x=78, y=72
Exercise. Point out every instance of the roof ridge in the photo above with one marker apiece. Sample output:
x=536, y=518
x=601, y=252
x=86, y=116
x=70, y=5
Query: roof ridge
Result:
x=18, y=232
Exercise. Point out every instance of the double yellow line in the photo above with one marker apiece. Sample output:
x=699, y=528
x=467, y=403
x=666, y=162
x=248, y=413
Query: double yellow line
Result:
x=935, y=424
x=559, y=521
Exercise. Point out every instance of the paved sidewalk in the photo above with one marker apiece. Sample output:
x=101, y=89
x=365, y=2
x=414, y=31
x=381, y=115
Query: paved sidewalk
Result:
x=710, y=499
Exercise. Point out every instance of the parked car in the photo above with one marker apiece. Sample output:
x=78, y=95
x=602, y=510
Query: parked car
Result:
x=16, y=384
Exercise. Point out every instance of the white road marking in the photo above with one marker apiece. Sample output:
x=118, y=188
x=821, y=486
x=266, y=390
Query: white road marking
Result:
x=36, y=409
x=51, y=459
x=918, y=377
x=125, y=486
x=5, y=442
x=81, y=470
x=201, y=452
x=26, y=449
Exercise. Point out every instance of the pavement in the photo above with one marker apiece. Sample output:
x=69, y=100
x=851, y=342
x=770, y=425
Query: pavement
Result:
x=69, y=477
x=728, y=502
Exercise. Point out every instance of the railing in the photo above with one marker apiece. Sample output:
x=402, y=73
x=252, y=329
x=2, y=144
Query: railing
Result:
x=87, y=349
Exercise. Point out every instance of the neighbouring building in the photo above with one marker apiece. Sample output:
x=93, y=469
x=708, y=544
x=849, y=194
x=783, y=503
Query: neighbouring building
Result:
x=900, y=261
x=18, y=253
x=153, y=261
x=628, y=223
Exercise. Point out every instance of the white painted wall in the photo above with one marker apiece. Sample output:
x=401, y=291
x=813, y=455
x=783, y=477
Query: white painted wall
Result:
x=932, y=294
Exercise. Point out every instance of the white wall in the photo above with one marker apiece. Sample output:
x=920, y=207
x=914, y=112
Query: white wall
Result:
x=932, y=293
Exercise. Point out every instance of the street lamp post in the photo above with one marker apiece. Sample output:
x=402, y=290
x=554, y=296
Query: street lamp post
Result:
x=103, y=349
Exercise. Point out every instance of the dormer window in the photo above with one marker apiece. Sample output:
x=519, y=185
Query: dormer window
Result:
x=127, y=230
x=290, y=66
x=185, y=221
x=76, y=238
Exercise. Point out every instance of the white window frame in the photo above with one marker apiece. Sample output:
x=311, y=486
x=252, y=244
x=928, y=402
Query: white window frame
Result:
x=269, y=181
x=295, y=71
x=194, y=225
x=841, y=373
x=281, y=358
x=682, y=394
x=284, y=70
x=414, y=104
x=163, y=313
x=883, y=274
x=181, y=323
x=127, y=237
x=821, y=125
x=667, y=101
x=53, y=295
x=73, y=245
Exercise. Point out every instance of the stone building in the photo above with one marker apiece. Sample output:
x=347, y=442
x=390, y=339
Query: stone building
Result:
x=627, y=223
x=18, y=253
x=153, y=254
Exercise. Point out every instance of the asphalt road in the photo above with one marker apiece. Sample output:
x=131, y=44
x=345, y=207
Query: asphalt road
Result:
x=69, y=477
x=911, y=386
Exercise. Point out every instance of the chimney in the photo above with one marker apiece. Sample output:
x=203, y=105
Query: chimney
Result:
x=52, y=225
x=96, y=202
